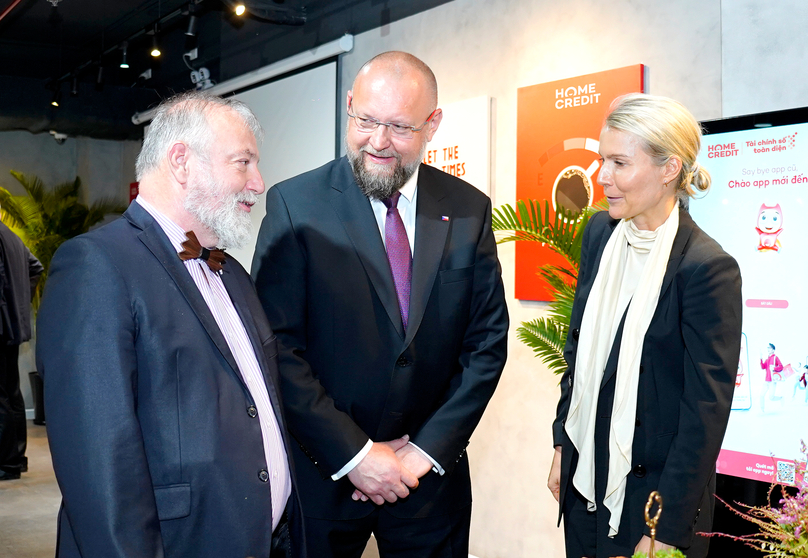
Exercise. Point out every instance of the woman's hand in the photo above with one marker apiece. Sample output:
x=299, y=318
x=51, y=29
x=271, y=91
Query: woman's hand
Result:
x=554, y=481
x=645, y=545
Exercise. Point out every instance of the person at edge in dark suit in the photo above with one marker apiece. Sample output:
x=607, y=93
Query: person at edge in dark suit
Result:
x=19, y=274
x=653, y=348
x=380, y=277
x=159, y=365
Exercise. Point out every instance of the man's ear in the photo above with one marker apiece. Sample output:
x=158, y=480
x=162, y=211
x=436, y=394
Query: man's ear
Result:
x=432, y=127
x=178, y=165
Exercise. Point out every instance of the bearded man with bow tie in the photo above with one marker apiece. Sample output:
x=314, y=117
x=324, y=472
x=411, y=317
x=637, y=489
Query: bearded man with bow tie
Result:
x=160, y=368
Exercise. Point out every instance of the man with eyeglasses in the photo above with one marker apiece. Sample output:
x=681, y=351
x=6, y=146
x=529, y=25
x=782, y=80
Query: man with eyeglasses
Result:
x=380, y=277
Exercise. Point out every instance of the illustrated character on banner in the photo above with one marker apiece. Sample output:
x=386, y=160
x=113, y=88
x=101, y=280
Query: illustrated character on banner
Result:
x=769, y=227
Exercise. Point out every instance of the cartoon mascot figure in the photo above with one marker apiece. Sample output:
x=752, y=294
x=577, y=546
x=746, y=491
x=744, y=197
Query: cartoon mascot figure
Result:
x=769, y=227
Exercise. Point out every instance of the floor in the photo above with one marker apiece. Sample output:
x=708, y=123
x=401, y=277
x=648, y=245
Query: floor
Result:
x=28, y=506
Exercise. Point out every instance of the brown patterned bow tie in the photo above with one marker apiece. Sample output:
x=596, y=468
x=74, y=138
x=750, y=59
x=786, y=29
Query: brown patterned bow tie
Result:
x=193, y=250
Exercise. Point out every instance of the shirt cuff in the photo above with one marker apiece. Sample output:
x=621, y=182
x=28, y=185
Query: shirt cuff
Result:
x=353, y=462
x=435, y=465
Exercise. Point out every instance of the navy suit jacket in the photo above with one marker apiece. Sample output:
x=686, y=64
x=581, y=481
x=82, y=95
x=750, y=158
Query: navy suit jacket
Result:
x=348, y=370
x=687, y=376
x=153, y=446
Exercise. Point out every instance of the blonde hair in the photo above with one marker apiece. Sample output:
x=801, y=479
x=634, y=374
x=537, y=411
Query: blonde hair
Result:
x=666, y=129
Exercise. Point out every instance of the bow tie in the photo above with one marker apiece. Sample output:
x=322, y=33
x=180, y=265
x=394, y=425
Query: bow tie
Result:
x=194, y=251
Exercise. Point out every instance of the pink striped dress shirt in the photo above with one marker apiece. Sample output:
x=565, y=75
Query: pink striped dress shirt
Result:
x=212, y=288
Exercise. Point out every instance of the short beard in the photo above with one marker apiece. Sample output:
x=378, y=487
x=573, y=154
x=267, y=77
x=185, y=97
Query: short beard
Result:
x=220, y=211
x=378, y=185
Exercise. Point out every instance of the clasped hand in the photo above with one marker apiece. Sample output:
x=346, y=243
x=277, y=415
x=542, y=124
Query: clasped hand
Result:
x=388, y=472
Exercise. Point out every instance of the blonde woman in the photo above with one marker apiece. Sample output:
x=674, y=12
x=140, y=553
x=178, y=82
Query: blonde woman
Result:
x=653, y=347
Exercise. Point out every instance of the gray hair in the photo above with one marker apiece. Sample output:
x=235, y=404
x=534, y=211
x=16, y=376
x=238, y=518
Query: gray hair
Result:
x=665, y=129
x=184, y=118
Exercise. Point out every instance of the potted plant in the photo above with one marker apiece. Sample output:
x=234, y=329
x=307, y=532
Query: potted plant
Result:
x=562, y=231
x=44, y=218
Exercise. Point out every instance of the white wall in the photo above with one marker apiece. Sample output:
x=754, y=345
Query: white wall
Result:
x=709, y=54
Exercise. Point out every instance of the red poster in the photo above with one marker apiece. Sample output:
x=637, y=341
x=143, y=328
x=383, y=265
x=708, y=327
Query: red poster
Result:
x=557, y=131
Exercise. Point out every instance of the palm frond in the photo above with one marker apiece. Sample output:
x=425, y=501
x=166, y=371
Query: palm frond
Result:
x=563, y=233
x=546, y=337
x=45, y=218
x=528, y=222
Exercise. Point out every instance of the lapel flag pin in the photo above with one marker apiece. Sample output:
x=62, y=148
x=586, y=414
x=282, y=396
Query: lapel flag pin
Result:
x=444, y=217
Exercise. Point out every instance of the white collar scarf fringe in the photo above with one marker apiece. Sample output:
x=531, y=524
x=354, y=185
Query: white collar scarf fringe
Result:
x=597, y=332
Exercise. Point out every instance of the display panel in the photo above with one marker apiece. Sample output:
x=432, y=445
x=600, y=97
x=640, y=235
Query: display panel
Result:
x=756, y=209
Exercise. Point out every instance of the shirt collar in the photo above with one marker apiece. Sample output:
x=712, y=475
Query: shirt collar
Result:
x=173, y=231
x=408, y=190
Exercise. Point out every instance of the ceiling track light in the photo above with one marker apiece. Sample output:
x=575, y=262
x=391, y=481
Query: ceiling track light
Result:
x=155, y=50
x=124, y=48
x=240, y=9
x=193, y=22
x=74, y=86
x=57, y=96
x=99, y=78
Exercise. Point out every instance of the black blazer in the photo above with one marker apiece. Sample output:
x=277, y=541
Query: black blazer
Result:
x=687, y=377
x=19, y=274
x=153, y=446
x=348, y=372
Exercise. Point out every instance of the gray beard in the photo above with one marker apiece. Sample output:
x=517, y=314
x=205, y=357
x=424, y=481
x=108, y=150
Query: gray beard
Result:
x=219, y=212
x=377, y=185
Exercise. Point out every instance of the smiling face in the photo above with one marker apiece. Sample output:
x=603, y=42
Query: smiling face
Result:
x=770, y=219
x=633, y=183
x=382, y=162
x=227, y=182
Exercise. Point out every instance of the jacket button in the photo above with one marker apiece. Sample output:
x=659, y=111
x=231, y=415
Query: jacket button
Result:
x=263, y=476
x=252, y=411
x=402, y=361
x=575, y=333
x=642, y=369
x=569, y=380
x=639, y=471
x=637, y=422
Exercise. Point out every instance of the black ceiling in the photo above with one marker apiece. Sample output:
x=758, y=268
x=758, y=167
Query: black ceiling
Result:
x=44, y=48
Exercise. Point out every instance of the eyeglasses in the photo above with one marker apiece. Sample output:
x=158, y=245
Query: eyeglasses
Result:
x=368, y=125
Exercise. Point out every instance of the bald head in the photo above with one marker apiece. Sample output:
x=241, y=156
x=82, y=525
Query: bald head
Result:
x=401, y=67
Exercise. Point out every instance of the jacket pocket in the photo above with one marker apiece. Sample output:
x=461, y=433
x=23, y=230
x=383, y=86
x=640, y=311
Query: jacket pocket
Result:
x=173, y=501
x=455, y=275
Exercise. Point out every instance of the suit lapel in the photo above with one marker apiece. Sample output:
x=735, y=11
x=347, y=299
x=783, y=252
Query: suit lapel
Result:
x=430, y=240
x=158, y=244
x=235, y=289
x=354, y=211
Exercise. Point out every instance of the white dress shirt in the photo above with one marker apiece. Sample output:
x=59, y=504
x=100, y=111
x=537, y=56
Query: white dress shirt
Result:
x=407, y=204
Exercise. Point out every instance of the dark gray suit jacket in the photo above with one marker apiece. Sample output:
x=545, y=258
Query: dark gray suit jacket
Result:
x=348, y=371
x=687, y=377
x=154, y=446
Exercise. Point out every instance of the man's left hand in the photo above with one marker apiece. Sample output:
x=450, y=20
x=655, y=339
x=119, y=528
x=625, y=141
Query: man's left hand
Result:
x=410, y=458
x=645, y=545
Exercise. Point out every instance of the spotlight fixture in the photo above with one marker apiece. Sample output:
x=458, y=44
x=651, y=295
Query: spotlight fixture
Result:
x=155, y=51
x=240, y=9
x=57, y=95
x=74, y=89
x=99, y=78
x=193, y=23
x=124, y=48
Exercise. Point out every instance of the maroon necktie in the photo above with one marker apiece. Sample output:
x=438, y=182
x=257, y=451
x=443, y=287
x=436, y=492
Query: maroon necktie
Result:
x=193, y=250
x=399, y=255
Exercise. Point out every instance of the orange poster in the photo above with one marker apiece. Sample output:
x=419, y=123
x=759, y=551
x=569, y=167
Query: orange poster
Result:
x=557, y=131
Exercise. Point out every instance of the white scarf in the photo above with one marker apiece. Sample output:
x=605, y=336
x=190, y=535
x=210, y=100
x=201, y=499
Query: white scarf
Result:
x=597, y=333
